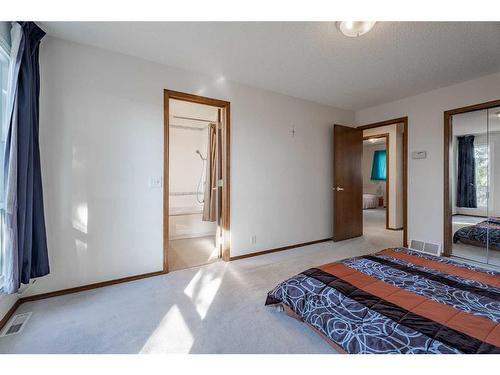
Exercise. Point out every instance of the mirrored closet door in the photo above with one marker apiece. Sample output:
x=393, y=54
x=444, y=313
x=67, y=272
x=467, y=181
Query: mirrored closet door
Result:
x=474, y=185
x=493, y=231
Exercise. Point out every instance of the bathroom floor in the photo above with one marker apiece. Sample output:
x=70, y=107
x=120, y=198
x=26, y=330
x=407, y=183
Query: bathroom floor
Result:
x=191, y=252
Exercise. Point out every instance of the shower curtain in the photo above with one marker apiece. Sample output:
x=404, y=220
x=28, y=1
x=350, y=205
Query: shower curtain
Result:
x=209, y=209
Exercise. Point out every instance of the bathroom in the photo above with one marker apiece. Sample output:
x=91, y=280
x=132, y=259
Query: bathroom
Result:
x=193, y=173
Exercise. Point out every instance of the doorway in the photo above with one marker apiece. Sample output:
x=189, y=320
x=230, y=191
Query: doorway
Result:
x=196, y=185
x=372, y=189
x=375, y=169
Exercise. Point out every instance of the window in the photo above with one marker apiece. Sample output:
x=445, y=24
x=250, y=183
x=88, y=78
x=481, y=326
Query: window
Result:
x=4, y=68
x=379, y=172
x=481, y=161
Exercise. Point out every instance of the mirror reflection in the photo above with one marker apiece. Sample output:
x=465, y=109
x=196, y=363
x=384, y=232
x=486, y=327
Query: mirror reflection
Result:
x=475, y=172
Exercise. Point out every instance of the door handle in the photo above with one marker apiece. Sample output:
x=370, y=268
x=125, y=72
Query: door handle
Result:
x=338, y=188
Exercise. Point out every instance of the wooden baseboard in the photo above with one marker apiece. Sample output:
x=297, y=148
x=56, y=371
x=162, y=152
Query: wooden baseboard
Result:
x=263, y=252
x=11, y=311
x=77, y=289
x=82, y=288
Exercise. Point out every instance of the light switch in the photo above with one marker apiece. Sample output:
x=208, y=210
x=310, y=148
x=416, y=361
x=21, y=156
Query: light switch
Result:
x=419, y=154
x=155, y=181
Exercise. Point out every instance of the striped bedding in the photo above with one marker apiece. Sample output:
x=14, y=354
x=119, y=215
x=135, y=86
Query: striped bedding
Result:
x=484, y=234
x=398, y=301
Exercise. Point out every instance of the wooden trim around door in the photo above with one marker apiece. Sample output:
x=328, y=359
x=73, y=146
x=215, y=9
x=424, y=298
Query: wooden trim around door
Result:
x=404, y=121
x=448, y=142
x=226, y=153
x=387, y=180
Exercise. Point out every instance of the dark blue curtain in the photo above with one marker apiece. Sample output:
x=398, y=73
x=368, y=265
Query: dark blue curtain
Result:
x=32, y=241
x=466, y=179
x=379, y=172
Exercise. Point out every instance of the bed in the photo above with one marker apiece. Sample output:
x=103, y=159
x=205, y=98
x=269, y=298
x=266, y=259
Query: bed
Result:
x=370, y=201
x=397, y=301
x=485, y=233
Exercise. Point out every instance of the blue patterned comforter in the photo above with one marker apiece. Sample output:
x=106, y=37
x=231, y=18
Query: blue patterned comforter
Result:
x=398, y=301
x=484, y=234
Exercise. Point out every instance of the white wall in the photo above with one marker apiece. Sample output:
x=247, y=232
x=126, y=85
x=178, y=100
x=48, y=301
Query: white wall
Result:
x=425, y=132
x=395, y=171
x=101, y=125
x=185, y=164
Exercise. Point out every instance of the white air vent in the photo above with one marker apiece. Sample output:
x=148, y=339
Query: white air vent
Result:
x=426, y=247
x=16, y=324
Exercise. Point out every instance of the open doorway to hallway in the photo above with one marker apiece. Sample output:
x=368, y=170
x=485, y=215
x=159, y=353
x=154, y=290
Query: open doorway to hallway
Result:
x=384, y=183
x=383, y=186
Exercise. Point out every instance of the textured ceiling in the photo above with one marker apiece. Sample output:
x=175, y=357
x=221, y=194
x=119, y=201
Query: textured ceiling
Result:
x=309, y=60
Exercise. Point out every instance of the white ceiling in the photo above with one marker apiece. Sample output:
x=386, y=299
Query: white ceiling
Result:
x=309, y=60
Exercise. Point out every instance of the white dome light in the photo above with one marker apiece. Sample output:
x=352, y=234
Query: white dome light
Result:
x=353, y=29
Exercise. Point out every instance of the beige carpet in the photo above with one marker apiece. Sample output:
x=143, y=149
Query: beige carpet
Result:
x=218, y=308
x=374, y=227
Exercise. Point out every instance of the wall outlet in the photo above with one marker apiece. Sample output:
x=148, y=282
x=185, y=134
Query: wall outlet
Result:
x=155, y=181
x=254, y=239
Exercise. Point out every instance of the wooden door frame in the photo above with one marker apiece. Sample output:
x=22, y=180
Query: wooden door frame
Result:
x=226, y=153
x=448, y=143
x=387, y=180
x=404, y=121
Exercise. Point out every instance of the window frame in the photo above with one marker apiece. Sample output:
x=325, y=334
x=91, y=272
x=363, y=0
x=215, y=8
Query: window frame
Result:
x=488, y=170
x=480, y=140
x=376, y=163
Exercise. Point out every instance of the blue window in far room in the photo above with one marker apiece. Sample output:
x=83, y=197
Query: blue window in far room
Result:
x=379, y=172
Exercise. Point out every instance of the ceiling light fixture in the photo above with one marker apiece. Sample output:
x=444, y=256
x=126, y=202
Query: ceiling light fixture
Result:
x=353, y=29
